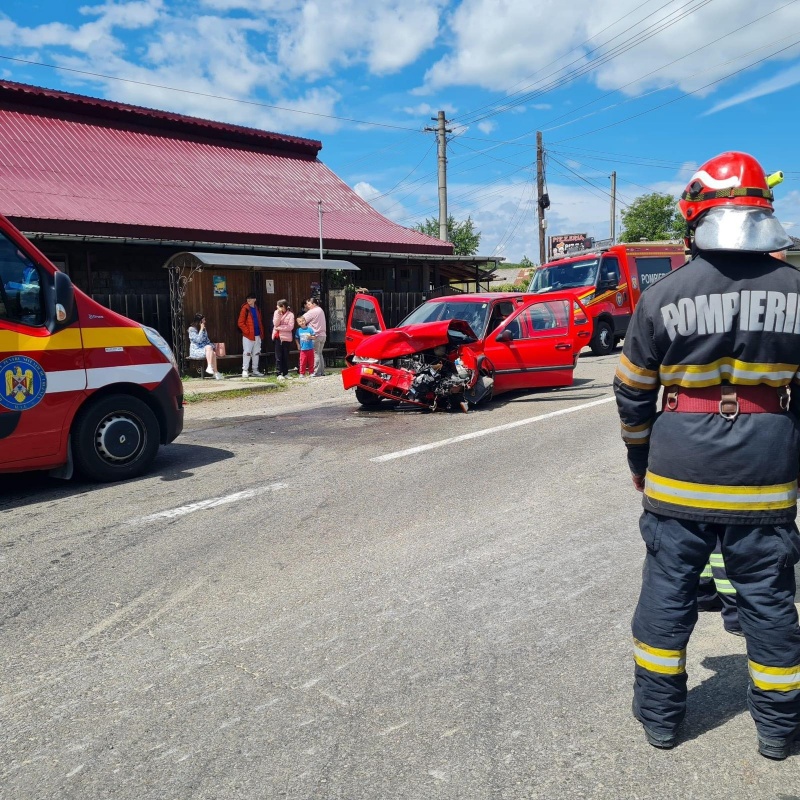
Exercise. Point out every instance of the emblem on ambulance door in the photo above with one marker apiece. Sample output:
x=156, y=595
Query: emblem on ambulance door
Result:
x=22, y=383
x=620, y=298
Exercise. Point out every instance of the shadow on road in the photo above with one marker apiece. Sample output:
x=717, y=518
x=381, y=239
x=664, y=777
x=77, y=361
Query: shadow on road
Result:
x=719, y=698
x=174, y=462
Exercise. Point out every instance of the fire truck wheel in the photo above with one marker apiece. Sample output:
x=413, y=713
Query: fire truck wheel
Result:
x=603, y=340
x=367, y=398
x=115, y=438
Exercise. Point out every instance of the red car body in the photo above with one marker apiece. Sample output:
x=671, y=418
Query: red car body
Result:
x=482, y=344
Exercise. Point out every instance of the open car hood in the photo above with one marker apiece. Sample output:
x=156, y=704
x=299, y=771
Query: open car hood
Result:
x=397, y=342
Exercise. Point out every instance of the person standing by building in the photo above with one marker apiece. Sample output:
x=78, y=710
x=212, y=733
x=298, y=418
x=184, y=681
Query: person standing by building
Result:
x=722, y=336
x=282, y=333
x=252, y=328
x=305, y=345
x=315, y=319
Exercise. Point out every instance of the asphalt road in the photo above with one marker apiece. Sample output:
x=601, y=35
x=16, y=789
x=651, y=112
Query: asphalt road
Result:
x=306, y=600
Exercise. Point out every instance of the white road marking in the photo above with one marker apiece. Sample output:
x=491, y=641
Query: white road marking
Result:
x=486, y=431
x=213, y=502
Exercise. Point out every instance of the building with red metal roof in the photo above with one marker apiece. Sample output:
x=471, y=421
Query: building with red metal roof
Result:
x=112, y=191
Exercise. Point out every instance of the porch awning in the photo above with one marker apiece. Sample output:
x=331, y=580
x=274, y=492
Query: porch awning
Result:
x=244, y=261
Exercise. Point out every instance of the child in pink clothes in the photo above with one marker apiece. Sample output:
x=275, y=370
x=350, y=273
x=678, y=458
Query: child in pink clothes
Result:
x=305, y=344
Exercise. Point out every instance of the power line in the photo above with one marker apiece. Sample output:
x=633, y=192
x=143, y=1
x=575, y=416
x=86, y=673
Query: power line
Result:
x=556, y=60
x=680, y=97
x=664, y=66
x=209, y=95
x=620, y=49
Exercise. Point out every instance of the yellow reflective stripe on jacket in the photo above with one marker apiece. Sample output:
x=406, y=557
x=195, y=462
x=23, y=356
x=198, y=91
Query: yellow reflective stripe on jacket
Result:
x=707, y=573
x=726, y=498
x=743, y=373
x=636, y=434
x=724, y=586
x=775, y=679
x=638, y=377
x=654, y=659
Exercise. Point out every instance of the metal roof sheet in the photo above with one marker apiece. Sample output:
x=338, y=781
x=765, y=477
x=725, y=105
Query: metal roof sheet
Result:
x=270, y=262
x=80, y=174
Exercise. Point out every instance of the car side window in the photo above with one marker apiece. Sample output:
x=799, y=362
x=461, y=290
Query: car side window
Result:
x=364, y=314
x=20, y=286
x=548, y=318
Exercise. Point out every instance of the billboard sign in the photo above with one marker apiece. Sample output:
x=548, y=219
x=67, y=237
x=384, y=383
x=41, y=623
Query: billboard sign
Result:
x=563, y=244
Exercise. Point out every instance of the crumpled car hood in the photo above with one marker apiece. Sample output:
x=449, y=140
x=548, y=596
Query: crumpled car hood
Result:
x=397, y=342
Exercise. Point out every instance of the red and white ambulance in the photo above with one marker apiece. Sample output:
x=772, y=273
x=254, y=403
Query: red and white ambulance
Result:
x=609, y=281
x=80, y=386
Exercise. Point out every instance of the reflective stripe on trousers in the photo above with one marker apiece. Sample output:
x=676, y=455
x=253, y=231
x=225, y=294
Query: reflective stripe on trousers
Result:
x=760, y=567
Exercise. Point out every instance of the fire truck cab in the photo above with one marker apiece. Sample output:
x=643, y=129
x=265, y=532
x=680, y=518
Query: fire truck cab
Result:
x=80, y=386
x=609, y=281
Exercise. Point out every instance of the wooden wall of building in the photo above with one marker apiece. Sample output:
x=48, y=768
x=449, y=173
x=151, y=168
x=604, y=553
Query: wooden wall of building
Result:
x=222, y=313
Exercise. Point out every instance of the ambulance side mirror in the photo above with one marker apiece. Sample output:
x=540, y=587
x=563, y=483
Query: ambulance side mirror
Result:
x=64, y=298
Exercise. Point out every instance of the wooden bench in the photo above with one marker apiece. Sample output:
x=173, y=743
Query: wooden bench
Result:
x=200, y=364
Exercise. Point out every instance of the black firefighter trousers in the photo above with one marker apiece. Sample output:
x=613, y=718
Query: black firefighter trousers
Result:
x=760, y=564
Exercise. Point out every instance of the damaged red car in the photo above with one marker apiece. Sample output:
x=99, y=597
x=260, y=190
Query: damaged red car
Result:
x=459, y=350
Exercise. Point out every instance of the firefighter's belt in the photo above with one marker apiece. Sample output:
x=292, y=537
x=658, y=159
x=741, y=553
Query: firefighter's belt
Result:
x=727, y=401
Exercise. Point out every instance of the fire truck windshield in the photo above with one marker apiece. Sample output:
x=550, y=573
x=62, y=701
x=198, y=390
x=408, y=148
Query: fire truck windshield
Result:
x=565, y=276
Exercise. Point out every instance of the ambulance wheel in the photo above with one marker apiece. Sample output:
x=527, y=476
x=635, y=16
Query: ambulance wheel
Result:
x=367, y=398
x=603, y=340
x=115, y=438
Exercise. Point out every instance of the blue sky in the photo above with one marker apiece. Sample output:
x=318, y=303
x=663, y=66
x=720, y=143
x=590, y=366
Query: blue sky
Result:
x=649, y=88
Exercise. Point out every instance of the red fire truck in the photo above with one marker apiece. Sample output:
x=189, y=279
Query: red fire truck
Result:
x=80, y=386
x=609, y=281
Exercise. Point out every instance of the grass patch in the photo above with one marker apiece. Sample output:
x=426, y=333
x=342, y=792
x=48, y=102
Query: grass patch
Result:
x=227, y=394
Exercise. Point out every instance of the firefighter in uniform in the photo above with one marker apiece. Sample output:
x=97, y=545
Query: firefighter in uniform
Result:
x=721, y=335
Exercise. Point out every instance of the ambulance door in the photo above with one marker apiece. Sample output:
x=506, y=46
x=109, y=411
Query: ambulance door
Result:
x=42, y=375
x=536, y=346
x=364, y=313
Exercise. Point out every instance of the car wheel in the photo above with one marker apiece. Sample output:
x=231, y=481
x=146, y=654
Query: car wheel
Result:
x=603, y=340
x=115, y=438
x=367, y=398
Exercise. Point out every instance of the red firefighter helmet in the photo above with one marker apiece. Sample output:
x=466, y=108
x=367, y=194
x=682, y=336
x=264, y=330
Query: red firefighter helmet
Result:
x=729, y=179
x=728, y=206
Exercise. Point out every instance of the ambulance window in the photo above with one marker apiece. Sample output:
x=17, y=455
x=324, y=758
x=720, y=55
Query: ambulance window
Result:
x=543, y=319
x=20, y=286
x=609, y=270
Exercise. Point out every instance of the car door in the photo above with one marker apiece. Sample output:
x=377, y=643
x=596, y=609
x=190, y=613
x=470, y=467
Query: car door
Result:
x=40, y=373
x=364, y=312
x=537, y=345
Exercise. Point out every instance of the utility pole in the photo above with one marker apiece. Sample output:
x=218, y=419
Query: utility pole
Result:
x=614, y=207
x=543, y=201
x=320, y=212
x=441, y=139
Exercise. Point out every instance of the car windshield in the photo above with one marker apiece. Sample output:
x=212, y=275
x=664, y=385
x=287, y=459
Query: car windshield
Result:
x=473, y=313
x=565, y=276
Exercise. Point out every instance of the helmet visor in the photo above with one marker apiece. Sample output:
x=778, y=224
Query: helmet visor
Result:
x=754, y=230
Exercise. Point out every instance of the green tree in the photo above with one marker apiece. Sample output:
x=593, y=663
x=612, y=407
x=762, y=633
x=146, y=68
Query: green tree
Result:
x=463, y=235
x=526, y=263
x=652, y=217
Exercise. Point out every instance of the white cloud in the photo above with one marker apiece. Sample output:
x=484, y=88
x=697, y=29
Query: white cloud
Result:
x=493, y=47
x=386, y=205
x=386, y=35
x=783, y=80
x=487, y=126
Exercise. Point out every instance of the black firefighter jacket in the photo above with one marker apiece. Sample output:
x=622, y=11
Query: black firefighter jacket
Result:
x=722, y=318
